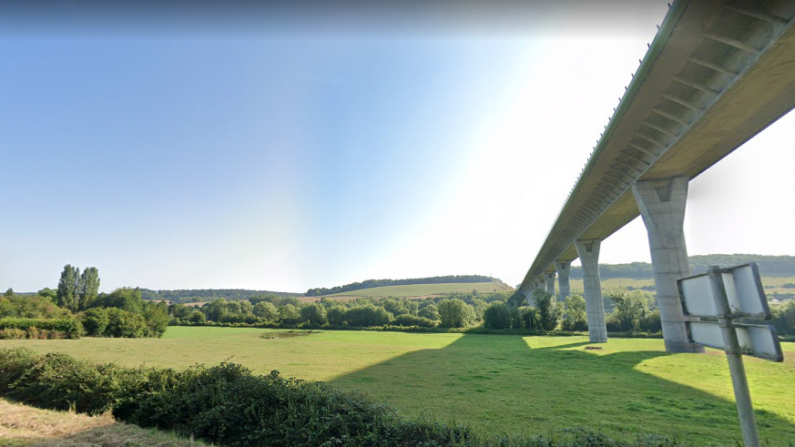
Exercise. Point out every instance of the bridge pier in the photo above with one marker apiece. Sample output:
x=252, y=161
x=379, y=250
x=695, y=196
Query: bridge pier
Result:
x=550, y=279
x=662, y=205
x=588, y=251
x=562, y=267
x=542, y=282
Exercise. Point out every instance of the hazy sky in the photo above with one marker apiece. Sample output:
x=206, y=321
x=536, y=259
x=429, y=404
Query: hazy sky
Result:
x=296, y=156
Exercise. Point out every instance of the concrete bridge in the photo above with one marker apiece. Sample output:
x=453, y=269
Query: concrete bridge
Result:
x=716, y=74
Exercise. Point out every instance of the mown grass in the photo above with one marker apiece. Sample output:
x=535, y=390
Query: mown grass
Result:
x=24, y=426
x=498, y=384
x=414, y=290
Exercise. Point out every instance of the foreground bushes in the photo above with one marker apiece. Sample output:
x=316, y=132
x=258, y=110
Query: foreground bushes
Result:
x=228, y=405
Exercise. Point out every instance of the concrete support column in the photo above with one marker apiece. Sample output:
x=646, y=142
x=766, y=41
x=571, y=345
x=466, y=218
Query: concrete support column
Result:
x=562, y=267
x=550, y=278
x=662, y=205
x=588, y=251
x=542, y=283
x=528, y=294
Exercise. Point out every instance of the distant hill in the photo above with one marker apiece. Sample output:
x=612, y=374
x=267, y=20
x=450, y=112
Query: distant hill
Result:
x=417, y=290
x=194, y=295
x=372, y=283
x=768, y=266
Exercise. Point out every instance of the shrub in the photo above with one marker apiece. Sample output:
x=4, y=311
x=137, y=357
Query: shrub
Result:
x=576, y=318
x=70, y=327
x=122, y=323
x=497, y=316
x=412, y=320
x=549, y=311
x=455, y=313
x=95, y=321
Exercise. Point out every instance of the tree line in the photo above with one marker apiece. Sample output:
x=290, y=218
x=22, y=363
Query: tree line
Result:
x=370, y=283
x=196, y=295
x=76, y=308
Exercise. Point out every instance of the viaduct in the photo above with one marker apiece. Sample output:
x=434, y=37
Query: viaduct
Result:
x=716, y=74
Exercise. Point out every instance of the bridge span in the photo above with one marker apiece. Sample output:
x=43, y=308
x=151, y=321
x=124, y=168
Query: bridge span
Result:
x=716, y=74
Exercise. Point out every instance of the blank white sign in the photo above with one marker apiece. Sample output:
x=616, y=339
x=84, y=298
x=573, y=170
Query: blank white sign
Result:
x=755, y=340
x=743, y=290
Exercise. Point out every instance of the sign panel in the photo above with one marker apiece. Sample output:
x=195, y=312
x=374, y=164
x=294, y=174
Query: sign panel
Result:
x=697, y=296
x=756, y=340
x=744, y=291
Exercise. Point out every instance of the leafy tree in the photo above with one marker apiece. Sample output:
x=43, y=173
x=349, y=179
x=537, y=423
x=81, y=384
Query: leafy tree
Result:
x=9, y=293
x=289, y=314
x=89, y=287
x=122, y=323
x=125, y=298
x=576, y=318
x=233, y=307
x=314, y=313
x=336, y=315
x=628, y=310
x=784, y=318
x=408, y=320
x=266, y=310
x=215, y=309
x=497, y=316
x=156, y=318
x=530, y=319
x=197, y=318
x=455, y=313
x=48, y=293
x=69, y=288
x=95, y=321
x=368, y=315
x=430, y=312
x=549, y=311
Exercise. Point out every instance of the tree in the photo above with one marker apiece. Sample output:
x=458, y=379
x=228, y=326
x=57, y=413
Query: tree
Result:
x=95, y=321
x=156, y=317
x=455, y=313
x=289, y=314
x=314, y=313
x=576, y=318
x=125, y=298
x=266, y=310
x=48, y=293
x=9, y=293
x=89, y=287
x=336, y=315
x=69, y=288
x=628, y=310
x=549, y=310
x=430, y=312
x=497, y=316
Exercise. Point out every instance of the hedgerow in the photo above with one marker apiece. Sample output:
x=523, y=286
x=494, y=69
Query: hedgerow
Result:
x=229, y=406
x=40, y=328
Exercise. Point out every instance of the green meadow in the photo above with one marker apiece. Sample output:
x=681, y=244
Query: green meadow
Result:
x=498, y=384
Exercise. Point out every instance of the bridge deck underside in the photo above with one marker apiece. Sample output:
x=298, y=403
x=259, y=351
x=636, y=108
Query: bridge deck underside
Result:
x=716, y=75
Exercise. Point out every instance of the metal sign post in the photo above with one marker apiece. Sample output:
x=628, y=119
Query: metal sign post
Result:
x=742, y=394
x=722, y=296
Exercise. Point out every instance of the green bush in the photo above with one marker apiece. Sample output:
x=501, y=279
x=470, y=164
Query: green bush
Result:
x=497, y=316
x=408, y=320
x=95, y=321
x=548, y=309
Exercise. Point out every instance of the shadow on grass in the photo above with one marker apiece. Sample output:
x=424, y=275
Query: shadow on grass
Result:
x=499, y=385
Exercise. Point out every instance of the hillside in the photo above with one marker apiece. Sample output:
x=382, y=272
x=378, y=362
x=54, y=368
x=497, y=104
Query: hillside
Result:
x=197, y=295
x=416, y=290
x=372, y=283
x=768, y=266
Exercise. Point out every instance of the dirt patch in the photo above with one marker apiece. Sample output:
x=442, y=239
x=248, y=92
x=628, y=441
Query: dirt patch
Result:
x=276, y=335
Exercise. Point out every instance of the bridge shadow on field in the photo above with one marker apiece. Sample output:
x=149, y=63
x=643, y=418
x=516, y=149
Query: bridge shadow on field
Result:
x=499, y=385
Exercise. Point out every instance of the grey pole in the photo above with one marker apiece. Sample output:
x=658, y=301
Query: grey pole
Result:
x=550, y=282
x=742, y=394
x=563, y=270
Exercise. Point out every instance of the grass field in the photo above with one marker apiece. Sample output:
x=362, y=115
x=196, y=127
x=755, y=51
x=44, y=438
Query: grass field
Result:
x=772, y=284
x=498, y=384
x=414, y=290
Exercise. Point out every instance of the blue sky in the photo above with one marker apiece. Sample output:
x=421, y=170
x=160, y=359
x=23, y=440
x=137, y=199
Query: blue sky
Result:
x=289, y=161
